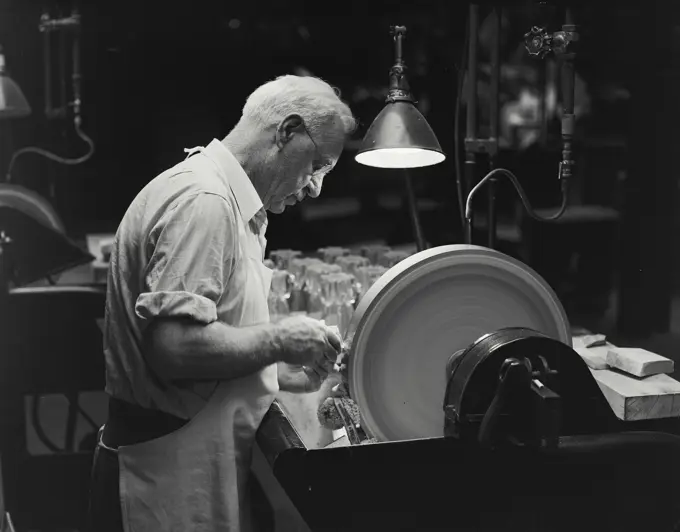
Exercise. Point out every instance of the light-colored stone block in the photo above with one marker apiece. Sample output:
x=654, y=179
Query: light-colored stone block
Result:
x=638, y=362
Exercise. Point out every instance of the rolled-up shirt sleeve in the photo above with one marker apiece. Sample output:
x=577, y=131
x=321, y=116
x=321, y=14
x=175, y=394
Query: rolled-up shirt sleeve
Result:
x=191, y=251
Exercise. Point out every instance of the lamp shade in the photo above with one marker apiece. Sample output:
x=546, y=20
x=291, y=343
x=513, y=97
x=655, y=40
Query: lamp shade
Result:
x=400, y=137
x=13, y=103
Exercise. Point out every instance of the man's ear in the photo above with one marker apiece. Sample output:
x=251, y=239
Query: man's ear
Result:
x=288, y=127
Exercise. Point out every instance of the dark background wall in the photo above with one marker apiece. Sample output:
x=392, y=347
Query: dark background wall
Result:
x=159, y=77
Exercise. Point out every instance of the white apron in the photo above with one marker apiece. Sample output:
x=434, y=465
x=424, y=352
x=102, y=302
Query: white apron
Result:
x=195, y=479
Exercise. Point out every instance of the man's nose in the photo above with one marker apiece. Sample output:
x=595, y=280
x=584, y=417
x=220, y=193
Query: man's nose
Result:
x=314, y=187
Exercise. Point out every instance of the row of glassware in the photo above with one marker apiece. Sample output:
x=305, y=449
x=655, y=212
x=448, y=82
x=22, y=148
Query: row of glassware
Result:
x=328, y=284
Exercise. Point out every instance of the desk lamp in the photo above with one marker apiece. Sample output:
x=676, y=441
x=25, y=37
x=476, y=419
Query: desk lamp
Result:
x=400, y=137
x=13, y=103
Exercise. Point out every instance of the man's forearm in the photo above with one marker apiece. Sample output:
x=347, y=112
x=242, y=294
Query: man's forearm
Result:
x=183, y=350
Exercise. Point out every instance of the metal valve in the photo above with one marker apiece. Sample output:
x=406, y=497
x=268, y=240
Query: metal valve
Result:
x=397, y=31
x=538, y=42
x=48, y=23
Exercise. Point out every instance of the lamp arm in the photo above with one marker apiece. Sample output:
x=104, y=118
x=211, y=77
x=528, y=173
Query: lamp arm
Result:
x=413, y=212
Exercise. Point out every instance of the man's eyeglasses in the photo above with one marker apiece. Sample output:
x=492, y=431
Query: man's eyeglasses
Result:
x=321, y=165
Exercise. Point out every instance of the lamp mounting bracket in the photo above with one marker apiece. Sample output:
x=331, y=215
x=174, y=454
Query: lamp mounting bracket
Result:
x=399, y=90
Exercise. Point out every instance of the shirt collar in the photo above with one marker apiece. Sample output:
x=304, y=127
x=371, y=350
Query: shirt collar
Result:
x=258, y=223
x=247, y=198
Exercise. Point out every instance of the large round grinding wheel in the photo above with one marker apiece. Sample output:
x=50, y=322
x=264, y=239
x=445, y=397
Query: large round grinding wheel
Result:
x=423, y=310
x=31, y=204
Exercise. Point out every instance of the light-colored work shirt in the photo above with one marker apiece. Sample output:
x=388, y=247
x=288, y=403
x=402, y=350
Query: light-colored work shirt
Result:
x=179, y=252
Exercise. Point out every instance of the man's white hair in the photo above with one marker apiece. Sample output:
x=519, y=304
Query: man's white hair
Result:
x=312, y=98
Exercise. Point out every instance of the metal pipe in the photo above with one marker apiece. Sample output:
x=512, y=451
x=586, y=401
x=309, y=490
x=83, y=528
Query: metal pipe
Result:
x=62, y=26
x=471, y=122
x=494, y=105
x=63, y=100
x=568, y=78
x=76, y=75
x=470, y=177
x=472, y=73
x=413, y=212
x=492, y=221
x=47, y=72
x=568, y=74
x=543, y=83
x=494, y=102
x=468, y=231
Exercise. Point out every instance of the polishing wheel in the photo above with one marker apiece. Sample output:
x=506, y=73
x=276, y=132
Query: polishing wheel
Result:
x=39, y=246
x=31, y=204
x=413, y=325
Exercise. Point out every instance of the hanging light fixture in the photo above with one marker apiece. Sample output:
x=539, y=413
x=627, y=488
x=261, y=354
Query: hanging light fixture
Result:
x=400, y=137
x=13, y=103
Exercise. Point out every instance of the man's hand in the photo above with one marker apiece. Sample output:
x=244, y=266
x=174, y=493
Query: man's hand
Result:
x=303, y=341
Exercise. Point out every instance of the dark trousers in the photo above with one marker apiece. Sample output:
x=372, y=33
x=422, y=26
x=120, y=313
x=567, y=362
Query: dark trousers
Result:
x=104, y=513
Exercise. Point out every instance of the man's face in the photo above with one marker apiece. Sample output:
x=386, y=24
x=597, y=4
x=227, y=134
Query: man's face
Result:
x=304, y=159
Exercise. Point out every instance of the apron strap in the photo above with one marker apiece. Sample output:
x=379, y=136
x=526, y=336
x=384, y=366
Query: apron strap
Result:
x=191, y=151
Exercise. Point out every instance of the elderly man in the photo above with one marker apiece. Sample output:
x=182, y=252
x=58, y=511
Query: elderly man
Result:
x=192, y=362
